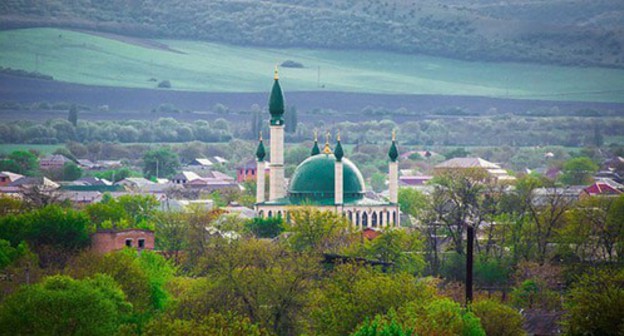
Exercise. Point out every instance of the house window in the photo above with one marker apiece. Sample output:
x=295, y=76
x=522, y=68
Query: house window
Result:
x=129, y=242
x=141, y=243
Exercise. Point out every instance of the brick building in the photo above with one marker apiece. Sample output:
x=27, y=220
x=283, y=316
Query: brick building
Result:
x=112, y=240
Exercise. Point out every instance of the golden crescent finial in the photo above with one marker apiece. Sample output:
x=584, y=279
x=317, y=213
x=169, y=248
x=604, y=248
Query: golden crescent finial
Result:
x=338, y=136
x=276, y=73
x=393, y=135
x=327, y=149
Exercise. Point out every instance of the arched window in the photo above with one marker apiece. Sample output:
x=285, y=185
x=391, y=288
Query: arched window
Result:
x=364, y=219
x=261, y=214
x=270, y=213
x=350, y=216
x=279, y=214
x=374, y=219
x=388, y=217
x=394, y=221
x=357, y=219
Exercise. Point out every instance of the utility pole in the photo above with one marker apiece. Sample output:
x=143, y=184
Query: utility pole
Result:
x=469, y=262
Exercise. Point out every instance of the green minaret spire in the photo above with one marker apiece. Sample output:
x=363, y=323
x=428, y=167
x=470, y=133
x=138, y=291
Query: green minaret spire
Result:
x=338, y=152
x=315, y=147
x=276, y=102
x=260, y=152
x=393, y=153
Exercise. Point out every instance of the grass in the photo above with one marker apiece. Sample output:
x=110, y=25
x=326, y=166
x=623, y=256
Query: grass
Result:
x=200, y=66
x=44, y=149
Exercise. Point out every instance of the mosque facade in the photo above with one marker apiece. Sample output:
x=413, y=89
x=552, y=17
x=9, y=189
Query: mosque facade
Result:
x=326, y=180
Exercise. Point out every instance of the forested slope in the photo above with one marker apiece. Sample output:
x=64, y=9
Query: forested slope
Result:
x=562, y=32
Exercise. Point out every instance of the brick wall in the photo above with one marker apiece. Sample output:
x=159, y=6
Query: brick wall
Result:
x=108, y=241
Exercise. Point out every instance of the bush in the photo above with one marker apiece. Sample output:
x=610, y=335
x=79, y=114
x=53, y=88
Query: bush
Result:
x=498, y=319
x=166, y=84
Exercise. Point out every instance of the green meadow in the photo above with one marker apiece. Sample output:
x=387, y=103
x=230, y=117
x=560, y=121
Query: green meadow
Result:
x=44, y=149
x=201, y=66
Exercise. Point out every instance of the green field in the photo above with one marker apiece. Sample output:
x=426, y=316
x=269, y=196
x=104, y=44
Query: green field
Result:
x=200, y=66
x=44, y=149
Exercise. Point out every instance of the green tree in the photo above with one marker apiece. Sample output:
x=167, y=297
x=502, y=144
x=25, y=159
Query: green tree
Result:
x=61, y=305
x=211, y=324
x=398, y=247
x=265, y=227
x=315, y=230
x=498, y=319
x=457, y=152
x=380, y=326
x=71, y=171
x=141, y=276
x=378, y=182
x=441, y=317
x=412, y=201
x=595, y=304
x=353, y=293
x=253, y=278
x=578, y=171
x=21, y=162
x=160, y=163
x=73, y=115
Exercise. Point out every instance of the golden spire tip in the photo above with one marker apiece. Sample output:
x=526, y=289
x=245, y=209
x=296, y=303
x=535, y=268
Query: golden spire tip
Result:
x=338, y=136
x=315, y=136
x=260, y=136
x=393, y=135
x=276, y=73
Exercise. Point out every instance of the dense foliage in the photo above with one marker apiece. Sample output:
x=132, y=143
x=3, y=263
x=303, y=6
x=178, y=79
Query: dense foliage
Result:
x=456, y=30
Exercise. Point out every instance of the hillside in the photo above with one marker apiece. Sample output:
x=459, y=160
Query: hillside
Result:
x=584, y=32
x=112, y=60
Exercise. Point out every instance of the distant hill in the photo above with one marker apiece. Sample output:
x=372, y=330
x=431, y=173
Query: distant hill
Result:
x=120, y=61
x=582, y=32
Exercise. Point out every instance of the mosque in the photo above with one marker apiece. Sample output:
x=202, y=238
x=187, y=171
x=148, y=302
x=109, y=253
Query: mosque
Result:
x=326, y=180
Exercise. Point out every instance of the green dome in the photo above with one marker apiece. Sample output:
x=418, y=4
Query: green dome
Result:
x=314, y=178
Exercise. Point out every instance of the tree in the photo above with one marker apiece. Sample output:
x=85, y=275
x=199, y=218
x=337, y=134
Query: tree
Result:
x=160, y=163
x=595, y=229
x=265, y=227
x=141, y=276
x=397, y=247
x=412, y=201
x=457, y=152
x=71, y=171
x=211, y=324
x=443, y=317
x=315, y=230
x=73, y=115
x=253, y=278
x=498, y=319
x=353, y=293
x=380, y=326
x=456, y=201
x=595, y=304
x=578, y=171
x=378, y=182
x=61, y=305
x=21, y=162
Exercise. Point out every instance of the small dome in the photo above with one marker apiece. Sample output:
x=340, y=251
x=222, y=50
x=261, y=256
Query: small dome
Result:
x=314, y=178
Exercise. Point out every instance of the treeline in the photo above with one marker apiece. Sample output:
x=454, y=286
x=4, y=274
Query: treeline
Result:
x=495, y=130
x=429, y=28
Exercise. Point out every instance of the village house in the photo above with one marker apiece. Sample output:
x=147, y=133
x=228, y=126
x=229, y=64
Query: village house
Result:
x=53, y=162
x=495, y=172
x=113, y=240
x=7, y=177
